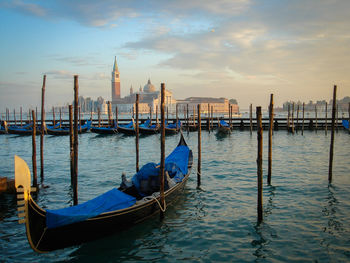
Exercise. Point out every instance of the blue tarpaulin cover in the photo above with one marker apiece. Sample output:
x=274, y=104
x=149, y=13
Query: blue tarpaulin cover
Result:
x=146, y=124
x=173, y=125
x=224, y=123
x=176, y=164
x=346, y=124
x=107, y=202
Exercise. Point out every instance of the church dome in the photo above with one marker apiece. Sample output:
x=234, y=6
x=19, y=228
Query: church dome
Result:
x=149, y=87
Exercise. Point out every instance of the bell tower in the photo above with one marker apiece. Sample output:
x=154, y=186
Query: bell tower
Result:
x=115, y=81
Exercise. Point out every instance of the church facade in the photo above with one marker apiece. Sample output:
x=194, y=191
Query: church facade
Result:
x=149, y=96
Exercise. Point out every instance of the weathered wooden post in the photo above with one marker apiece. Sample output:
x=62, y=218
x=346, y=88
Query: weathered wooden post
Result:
x=150, y=115
x=270, y=140
x=167, y=114
x=212, y=116
x=302, y=130
x=259, y=164
x=316, y=117
x=187, y=120
x=99, y=116
x=79, y=120
x=137, y=132
x=297, y=118
x=35, y=176
x=229, y=114
x=293, y=118
x=157, y=115
x=288, y=118
x=116, y=116
x=60, y=117
x=177, y=117
x=336, y=126
x=42, y=129
x=251, y=118
x=194, y=116
x=326, y=124
x=330, y=170
x=162, y=151
x=76, y=120
x=14, y=116
x=21, y=115
x=109, y=114
x=208, y=117
x=71, y=145
x=199, y=146
x=53, y=116
x=349, y=116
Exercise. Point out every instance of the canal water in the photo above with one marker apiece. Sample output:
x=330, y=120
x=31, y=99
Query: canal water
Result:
x=305, y=218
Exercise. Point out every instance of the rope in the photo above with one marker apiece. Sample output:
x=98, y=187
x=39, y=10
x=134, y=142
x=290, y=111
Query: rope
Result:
x=155, y=198
x=41, y=237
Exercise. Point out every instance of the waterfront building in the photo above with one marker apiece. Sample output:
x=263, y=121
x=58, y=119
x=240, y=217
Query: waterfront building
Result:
x=220, y=105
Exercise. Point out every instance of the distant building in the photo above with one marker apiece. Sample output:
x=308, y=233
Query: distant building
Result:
x=220, y=105
x=115, y=81
x=149, y=97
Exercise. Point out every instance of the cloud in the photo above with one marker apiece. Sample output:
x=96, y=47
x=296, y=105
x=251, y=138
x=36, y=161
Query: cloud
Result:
x=105, y=13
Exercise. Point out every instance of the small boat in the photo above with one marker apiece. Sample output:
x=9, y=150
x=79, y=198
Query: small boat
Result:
x=345, y=124
x=224, y=127
x=104, y=130
x=3, y=127
x=65, y=130
x=128, y=129
x=173, y=128
x=113, y=211
x=28, y=129
x=147, y=128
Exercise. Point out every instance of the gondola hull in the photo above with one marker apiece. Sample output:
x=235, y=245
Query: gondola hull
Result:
x=148, y=130
x=20, y=131
x=104, y=130
x=60, y=132
x=106, y=224
x=170, y=131
x=224, y=130
x=127, y=131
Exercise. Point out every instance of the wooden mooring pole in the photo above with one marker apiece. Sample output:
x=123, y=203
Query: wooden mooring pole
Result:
x=199, y=146
x=293, y=118
x=316, y=126
x=330, y=170
x=302, y=128
x=270, y=140
x=297, y=126
x=326, y=124
x=42, y=129
x=60, y=117
x=14, y=116
x=259, y=164
x=99, y=116
x=288, y=118
x=137, y=132
x=53, y=116
x=71, y=144
x=116, y=116
x=162, y=151
x=75, y=142
x=21, y=115
x=251, y=118
x=35, y=175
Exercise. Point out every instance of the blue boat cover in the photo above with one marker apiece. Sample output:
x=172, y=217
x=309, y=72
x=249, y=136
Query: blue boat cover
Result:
x=129, y=125
x=176, y=164
x=107, y=202
x=346, y=124
x=145, y=124
x=224, y=123
x=173, y=125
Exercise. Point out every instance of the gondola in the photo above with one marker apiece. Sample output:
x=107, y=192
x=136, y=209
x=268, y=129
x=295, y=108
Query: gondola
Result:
x=147, y=128
x=172, y=128
x=128, y=129
x=3, y=127
x=224, y=127
x=113, y=211
x=104, y=130
x=345, y=124
x=23, y=131
x=65, y=130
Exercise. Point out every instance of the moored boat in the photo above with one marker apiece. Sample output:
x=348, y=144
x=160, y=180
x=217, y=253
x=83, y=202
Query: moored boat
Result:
x=224, y=127
x=128, y=129
x=173, y=128
x=113, y=211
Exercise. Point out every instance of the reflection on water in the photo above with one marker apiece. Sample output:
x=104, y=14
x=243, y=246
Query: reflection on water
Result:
x=303, y=219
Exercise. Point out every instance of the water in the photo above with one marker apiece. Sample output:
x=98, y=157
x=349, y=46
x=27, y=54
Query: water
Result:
x=305, y=218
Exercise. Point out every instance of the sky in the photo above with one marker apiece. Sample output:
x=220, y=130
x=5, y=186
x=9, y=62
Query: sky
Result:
x=241, y=49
